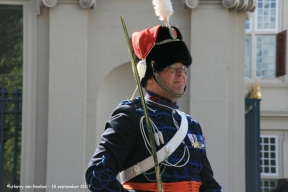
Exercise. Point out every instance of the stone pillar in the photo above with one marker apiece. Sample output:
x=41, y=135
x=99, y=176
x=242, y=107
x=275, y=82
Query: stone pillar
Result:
x=67, y=93
x=217, y=84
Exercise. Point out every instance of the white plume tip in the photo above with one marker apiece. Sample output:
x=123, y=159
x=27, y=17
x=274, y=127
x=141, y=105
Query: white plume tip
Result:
x=163, y=9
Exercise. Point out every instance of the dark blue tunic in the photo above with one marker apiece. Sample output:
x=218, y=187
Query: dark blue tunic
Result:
x=122, y=146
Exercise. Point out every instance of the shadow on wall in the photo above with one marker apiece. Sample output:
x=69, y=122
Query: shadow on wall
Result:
x=117, y=86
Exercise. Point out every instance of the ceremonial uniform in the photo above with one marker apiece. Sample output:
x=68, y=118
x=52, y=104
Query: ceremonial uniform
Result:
x=127, y=145
x=122, y=146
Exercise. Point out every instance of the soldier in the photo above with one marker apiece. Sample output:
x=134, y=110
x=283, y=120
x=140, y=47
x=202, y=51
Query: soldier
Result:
x=181, y=148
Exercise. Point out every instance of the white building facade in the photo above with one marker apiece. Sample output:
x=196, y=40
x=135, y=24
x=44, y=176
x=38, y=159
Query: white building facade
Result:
x=262, y=64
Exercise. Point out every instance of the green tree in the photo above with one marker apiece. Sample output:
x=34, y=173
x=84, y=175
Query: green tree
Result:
x=11, y=47
x=11, y=70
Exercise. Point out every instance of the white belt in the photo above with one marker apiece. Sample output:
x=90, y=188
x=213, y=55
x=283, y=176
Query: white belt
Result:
x=162, y=154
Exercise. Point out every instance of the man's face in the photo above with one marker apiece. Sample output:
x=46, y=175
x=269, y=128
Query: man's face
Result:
x=174, y=76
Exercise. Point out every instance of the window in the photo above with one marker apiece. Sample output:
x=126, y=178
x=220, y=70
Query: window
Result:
x=269, y=155
x=268, y=185
x=261, y=33
x=269, y=166
x=265, y=55
x=248, y=56
x=266, y=15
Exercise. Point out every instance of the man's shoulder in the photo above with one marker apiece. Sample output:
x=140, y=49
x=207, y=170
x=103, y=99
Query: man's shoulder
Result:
x=190, y=119
x=129, y=107
x=130, y=101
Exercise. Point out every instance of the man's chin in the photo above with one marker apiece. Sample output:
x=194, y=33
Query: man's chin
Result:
x=179, y=91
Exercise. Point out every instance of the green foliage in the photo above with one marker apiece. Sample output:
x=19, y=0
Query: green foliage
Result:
x=9, y=155
x=11, y=70
x=11, y=48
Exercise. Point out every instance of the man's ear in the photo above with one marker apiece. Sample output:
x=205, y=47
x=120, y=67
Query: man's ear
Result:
x=150, y=81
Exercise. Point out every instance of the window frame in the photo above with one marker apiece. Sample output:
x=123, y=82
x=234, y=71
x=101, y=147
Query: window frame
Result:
x=269, y=181
x=255, y=56
x=276, y=137
x=280, y=143
x=252, y=32
x=276, y=22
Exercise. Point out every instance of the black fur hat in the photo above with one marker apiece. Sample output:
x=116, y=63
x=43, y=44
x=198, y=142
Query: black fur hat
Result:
x=162, y=45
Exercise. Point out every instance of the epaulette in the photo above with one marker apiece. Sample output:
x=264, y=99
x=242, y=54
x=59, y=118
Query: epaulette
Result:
x=128, y=101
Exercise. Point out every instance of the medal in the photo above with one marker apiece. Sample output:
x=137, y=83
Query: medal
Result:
x=197, y=141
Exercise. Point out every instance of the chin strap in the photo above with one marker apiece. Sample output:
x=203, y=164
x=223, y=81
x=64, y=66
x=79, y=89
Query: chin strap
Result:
x=163, y=85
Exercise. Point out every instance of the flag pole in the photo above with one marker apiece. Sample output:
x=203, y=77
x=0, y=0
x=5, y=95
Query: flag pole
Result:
x=150, y=133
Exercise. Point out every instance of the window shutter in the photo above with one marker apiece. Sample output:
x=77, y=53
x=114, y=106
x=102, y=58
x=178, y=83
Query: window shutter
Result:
x=281, y=54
